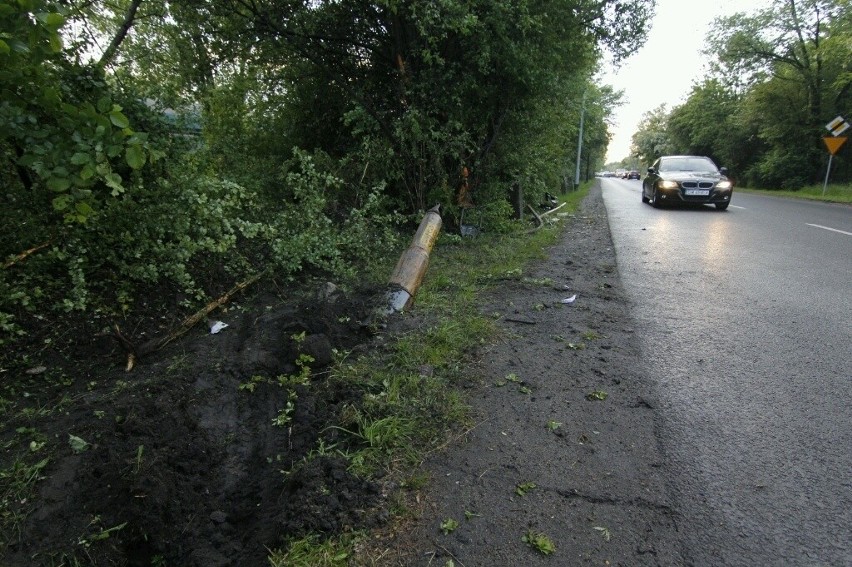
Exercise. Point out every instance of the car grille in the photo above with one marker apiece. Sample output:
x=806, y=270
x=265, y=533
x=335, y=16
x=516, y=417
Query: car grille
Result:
x=697, y=184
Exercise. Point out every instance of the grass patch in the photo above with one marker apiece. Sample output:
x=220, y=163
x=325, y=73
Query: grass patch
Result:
x=591, y=336
x=834, y=193
x=314, y=551
x=17, y=485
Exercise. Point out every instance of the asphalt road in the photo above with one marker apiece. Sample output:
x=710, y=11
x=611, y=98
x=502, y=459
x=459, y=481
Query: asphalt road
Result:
x=745, y=318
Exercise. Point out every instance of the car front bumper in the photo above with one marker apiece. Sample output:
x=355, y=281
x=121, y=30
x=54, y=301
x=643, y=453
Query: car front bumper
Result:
x=679, y=196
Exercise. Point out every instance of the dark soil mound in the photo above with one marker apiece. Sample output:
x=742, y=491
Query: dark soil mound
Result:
x=177, y=462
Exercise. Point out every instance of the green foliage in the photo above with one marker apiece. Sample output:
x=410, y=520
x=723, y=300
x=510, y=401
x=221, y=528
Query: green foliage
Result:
x=780, y=74
x=315, y=551
x=220, y=140
x=101, y=534
x=652, y=138
x=17, y=486
x=708, y=124
x=449, y=525
x=411, y=400
x=77, y=444
x=597, y=395
x=61, y=127
x=413, y=99
x=539, y=542
x=792, y=56
x=285, y=414
x=230, y=167
x=304, y=233
x=183, y=232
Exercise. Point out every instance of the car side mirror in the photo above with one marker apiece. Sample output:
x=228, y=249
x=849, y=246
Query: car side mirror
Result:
x=723, y=170
x=651, y=171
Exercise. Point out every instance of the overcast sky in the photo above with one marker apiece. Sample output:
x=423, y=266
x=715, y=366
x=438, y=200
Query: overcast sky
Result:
x=674, y=43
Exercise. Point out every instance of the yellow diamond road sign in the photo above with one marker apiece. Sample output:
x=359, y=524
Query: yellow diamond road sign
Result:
x=837, y=126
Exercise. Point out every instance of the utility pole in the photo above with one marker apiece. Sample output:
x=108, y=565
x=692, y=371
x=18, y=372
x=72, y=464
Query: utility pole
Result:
x=580, y=142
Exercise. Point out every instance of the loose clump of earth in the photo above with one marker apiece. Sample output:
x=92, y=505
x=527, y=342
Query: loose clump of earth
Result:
x=182, y=460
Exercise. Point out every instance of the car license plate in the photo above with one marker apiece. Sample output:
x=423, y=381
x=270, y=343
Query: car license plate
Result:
x=698, y=192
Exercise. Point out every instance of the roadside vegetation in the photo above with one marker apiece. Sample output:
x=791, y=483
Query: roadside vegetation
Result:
x=154, y=155
x=420, y=407
x=833, y=193
x=777, y=76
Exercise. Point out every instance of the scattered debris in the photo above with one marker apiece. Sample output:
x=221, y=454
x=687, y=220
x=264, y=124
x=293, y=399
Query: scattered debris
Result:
x=78, y=445
x=469, y=230
x=539, y=541
x=449, y=525
x=216, y=326
x=597, y=395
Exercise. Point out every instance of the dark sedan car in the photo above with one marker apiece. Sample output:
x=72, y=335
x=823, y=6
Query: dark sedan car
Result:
x=632, y=174
x=687, y=179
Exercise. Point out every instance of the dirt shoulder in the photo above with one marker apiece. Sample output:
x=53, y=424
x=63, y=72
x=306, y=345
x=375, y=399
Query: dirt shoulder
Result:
x=546, y=455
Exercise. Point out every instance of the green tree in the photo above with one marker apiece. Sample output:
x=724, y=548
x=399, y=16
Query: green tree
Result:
x=165, y=149
x=598, y=116
x=789, y=47
x=652, y=138
x=710, y=122
x=431, y=84
x=63, y=130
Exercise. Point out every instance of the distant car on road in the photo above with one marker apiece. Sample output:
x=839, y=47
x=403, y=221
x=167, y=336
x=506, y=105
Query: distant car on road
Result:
x=687, y=179
x=621, y=173
x=632, y=174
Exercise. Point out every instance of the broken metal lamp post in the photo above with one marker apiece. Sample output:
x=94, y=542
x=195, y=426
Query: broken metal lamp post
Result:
x=411, y=267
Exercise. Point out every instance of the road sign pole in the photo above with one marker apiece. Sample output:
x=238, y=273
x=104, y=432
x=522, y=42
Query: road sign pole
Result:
x=827, y=170
x=833, y=143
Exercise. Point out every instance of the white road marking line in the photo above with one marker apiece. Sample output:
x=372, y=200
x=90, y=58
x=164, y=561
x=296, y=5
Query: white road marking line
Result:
x=736, y=207
x=829, y=228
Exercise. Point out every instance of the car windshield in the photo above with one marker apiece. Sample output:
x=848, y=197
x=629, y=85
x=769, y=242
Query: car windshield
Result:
x=687, y=164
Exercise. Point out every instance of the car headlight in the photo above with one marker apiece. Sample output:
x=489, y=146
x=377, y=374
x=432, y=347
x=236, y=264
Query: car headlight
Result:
x=666, y=184
x=724, y=185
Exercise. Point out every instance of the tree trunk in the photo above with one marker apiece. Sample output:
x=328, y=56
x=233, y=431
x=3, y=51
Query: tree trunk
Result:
x=112, y=49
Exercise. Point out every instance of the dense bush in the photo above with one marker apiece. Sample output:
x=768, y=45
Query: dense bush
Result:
x=194, y=236
x=160, y=152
